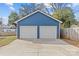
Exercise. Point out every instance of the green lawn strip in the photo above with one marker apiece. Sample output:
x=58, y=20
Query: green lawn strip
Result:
x=7, y=40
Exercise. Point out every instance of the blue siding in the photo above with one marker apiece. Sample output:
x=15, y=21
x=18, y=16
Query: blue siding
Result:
x=39, y=19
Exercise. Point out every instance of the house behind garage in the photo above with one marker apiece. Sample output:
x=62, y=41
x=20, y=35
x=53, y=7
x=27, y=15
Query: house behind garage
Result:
x=38, y=25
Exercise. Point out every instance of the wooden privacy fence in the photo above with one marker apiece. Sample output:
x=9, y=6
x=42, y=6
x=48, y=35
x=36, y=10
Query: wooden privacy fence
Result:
x=70, y=33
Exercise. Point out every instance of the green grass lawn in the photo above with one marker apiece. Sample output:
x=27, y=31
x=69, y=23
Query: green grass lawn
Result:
x=7, y=40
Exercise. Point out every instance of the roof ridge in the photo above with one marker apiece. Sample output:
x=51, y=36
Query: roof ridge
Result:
x=34, y=13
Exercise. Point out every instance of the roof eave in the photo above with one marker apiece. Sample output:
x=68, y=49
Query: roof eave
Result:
x=34, y=13
x=26, y=16
x=51, y=17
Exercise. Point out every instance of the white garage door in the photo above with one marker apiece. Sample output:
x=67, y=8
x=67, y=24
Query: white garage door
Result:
x=28, y=31
x=48, y=32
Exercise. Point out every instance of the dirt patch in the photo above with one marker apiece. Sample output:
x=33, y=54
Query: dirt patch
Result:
x=7, y=33
x=2, y=37
x=73, y=42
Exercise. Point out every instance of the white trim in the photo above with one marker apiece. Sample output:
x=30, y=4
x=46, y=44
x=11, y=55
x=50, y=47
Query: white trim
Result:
x=34, y=13
x=26, y=16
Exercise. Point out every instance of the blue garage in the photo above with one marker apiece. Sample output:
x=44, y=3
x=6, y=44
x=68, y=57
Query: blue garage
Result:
x=38, y=25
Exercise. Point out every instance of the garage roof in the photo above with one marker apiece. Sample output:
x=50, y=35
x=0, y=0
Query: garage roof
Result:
x=34, y=13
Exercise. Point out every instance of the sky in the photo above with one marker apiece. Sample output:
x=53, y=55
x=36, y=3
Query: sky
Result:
x=6, y=8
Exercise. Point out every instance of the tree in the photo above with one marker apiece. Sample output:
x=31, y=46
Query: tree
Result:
x=1, y=20
x=66, y=15
x=13, y=17
x=25, y=9
x=63, y=12
x=1, y=24
x=60, y=6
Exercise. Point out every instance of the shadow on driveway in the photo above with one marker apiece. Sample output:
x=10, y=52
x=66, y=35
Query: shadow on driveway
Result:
x=47, y=41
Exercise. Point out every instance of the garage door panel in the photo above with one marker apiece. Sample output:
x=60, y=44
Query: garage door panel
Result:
x=48, y=36
x=44, y=32
x=28, y=36
x=48, y=31
x=28, y=31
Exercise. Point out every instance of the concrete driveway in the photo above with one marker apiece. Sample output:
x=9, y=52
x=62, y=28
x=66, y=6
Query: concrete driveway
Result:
x=39, y=48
